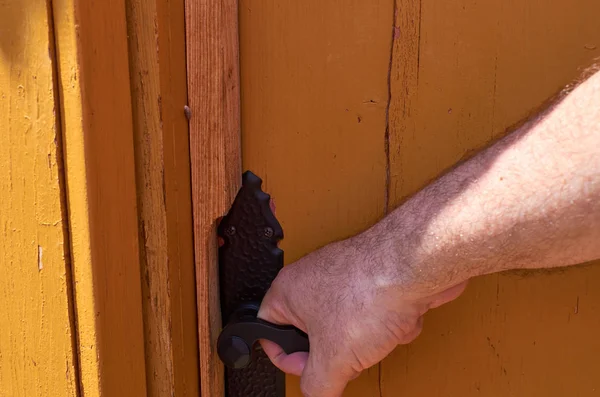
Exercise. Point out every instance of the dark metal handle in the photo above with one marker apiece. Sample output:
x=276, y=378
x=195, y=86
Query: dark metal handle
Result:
x=244, y=329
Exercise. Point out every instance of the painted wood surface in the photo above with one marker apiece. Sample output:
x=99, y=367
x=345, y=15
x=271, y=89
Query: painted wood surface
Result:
x=473, y=69
x=92, y=105
x=37, y=341
x=338, y=146
x=214, y=113
x=96, y=115
x=156, y=34
x=314, y=97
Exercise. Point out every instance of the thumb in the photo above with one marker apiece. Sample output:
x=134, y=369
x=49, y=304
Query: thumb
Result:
x=324, y=378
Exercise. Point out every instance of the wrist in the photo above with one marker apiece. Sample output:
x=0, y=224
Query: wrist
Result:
x=403, y=255
x=388, y=260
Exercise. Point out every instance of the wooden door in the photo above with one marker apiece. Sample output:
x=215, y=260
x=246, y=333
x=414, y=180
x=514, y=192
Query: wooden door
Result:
x=36, y=317
x=348, y=107
x=97, y=289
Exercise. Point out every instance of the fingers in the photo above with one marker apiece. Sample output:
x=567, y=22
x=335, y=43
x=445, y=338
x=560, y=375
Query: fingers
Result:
x=275, y=306
x=292, y=364
x=324, y=378
x=320, y=378
x=274, y=309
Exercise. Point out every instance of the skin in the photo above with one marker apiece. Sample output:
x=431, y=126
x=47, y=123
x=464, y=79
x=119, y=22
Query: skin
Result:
x=532, y=200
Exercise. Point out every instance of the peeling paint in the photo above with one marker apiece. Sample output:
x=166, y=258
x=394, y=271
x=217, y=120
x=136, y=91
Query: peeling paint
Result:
x=40, y=253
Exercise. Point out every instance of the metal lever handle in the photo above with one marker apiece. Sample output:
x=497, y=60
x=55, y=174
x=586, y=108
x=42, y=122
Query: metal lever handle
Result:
x=244, y=329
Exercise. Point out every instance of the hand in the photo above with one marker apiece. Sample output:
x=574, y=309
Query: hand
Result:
x=352, y=316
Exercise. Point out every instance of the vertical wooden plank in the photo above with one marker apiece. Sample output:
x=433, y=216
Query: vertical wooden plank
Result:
x=314, y=100
x=158, y=79
x=37, y=350
x=99, y=160
x=213, y=86
x=469, y=71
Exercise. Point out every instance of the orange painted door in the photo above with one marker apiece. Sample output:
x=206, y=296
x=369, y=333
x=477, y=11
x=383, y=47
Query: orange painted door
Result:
x=350, y=106
x=97, y=289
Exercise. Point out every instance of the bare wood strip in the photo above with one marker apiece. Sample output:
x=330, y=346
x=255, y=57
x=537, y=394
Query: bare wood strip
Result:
x=159, y=91
x=213, y=86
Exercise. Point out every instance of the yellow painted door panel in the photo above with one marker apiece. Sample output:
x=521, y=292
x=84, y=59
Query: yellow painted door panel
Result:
x=94, y=193
x=460, y=78
x=349, y=107
x=314, y=95
x=37, y=351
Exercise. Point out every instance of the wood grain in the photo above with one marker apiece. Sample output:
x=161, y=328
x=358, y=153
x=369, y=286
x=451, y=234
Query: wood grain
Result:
x=462, y=73
x=37, y=333
x=214, y=107
x=98, y=134
x=314, y=98
x=159, y=90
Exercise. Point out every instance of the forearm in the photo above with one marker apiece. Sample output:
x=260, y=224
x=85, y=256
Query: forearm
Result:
x=532, y=200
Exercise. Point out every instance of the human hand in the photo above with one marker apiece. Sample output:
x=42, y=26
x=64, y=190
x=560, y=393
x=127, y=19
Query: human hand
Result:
x=353, y=315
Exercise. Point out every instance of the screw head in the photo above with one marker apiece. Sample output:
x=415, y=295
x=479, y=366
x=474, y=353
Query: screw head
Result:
x=234, y=352
x=268, y=232
x=230, y=231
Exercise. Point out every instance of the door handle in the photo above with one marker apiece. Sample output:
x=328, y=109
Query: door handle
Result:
x=249, y=261
x=236, y=342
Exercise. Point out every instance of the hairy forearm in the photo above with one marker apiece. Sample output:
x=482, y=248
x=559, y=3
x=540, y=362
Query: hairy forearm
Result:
x=532, y=200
